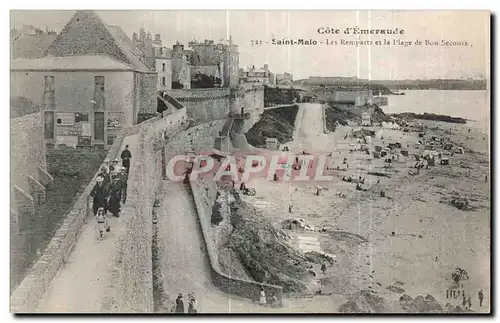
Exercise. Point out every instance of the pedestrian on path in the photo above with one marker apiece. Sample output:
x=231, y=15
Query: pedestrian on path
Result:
x=126, y=155
x=193, y=305
x=480, y=295
x=323, y=268
x=262, y=296
x=179, y=304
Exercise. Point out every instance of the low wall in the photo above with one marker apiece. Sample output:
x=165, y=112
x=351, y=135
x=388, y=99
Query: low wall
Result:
x=130, y=278
x=26, y=296
x=204, y=194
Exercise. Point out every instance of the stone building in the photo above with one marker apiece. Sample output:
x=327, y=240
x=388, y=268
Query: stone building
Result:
x=257, y=75
x=207, y=53
x=157, y=57
x=181, y=73
x=89, y=84
x=284, y=79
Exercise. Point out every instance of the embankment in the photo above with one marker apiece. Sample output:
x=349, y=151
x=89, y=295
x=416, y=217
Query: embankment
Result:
x=201, y=138
x=274, y=123
x=204, y=194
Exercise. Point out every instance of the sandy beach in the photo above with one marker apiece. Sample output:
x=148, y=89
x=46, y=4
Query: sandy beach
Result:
x=412, y=237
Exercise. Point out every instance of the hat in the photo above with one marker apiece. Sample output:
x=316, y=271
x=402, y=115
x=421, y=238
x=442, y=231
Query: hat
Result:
x=180, y=295
x=100, y=179
x=106, y=160
x=116, y=160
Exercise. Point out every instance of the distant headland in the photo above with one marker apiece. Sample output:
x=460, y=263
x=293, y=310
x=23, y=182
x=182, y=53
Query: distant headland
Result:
x=386, y=87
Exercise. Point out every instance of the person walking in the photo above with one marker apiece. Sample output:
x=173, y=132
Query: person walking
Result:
x=323, y=268
x=179, y=304
x=469, y=302
x=126, y=155
x=115, y=196
x=123, y=184
x=99, y=196
x=480, y=296
x=464, y=301
x=262, y=297
x=193, y=305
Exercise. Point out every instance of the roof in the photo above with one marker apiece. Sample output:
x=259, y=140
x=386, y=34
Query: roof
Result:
x=86, y=34
x=131, y=49
x=31, y=46
x=88, y=62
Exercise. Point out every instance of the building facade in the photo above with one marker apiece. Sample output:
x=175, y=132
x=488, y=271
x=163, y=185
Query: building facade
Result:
x=156, y=56
x=207, y=53
x=284, y=79
x=257, y=75
x=88, y=85
x=181, y=73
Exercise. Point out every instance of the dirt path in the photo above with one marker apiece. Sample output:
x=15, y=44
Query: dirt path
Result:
x=79, y=284
x=184, y=261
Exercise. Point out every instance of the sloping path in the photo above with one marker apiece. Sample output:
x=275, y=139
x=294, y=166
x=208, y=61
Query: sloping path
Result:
x=184, y=260
x=79, y=284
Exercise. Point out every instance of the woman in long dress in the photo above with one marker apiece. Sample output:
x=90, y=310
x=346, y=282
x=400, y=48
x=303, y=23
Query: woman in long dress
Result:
x=262, y=296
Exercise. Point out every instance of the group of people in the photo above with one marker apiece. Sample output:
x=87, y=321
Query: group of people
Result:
x=111, y=187
x=192, y=304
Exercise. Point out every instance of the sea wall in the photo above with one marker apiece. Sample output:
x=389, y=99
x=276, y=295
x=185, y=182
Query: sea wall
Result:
x=201, y=138
x=204, y=194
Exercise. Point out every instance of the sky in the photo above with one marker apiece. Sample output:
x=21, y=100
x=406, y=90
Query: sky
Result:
x=368, y=62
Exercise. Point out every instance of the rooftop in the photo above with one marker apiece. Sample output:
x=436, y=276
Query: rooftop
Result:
x=88, y=62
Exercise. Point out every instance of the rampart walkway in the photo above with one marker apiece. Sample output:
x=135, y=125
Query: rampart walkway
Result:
x=79, y=284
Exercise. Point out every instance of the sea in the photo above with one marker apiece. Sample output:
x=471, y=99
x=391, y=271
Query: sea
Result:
x=471, y=105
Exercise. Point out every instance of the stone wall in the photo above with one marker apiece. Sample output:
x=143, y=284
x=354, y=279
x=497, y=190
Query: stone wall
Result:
x=27, y=150
x=129, y=282
x=28, y=179
x=204, y=194
x=204, y=104
x=26, y=296
x=130, y=278
x=214, y=104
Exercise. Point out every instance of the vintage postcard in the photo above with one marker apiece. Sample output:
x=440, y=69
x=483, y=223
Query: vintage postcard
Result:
x=250, y=162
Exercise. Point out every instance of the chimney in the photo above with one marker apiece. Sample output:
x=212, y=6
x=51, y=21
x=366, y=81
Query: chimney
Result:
x=157, y=40
x=266, y=67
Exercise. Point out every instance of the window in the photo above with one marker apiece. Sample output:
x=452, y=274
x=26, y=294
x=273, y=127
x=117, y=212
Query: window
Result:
x=49, y=124
x=99, y=125
x=49, y=83
x=99, y=91
x=163, y=68
x=163, y=81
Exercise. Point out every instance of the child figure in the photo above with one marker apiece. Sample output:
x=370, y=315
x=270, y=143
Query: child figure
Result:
x=102, y=223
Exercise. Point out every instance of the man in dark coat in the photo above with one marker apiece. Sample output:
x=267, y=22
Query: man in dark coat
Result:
x=179, y=304
x=99, y=194
x=115, y=196
x=126, y=156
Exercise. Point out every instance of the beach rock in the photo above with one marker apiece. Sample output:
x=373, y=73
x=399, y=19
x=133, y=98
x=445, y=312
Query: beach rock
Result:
x=395, y=289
